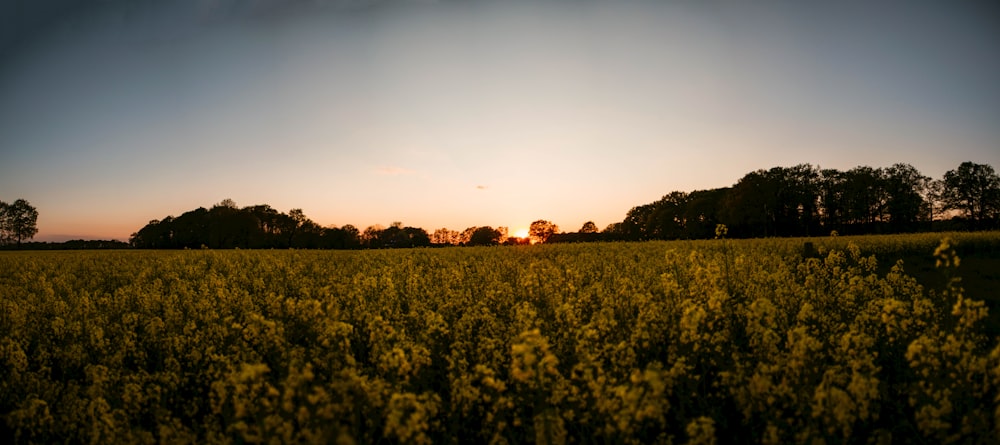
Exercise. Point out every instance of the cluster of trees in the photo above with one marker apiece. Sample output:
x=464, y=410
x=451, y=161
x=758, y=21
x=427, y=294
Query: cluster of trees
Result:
x=255, y=227
x=18, y=222
x=226, y=225
x=804, y=200
x=784, y=201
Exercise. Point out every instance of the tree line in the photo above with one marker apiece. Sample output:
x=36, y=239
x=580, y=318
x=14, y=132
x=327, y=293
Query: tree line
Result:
x=807, y=201
x=226, y=226
x=803, y=200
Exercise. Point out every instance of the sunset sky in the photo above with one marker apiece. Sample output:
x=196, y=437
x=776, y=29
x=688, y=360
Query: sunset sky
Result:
x=469, y=113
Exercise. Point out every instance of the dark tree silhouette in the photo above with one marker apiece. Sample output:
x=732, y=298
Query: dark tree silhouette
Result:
x=346, y=237
x=637, y=223
x=484, y=236
x=782, y=201
x=804, y=200
x=18, y=222
x=371, y=236
x=667, y=218
x=226, y=226
x=974, y=190
x=444, y=236
x=395, y=236
x=701, y=212
x=614, y=232
x=865, y=196
x=3, y=223
x=799, y=190
x=749, y=208
x=832, y=200
x=541, y=230
x=905, y=189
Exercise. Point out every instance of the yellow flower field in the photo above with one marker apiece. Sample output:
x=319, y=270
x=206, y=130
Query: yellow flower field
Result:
x=720, y=341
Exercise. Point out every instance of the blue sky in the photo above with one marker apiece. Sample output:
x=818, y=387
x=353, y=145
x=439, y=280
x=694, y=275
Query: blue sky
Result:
x=464, y=113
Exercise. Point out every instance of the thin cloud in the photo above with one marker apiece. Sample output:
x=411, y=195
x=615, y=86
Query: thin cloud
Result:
x=481, y=187
x=393, y=171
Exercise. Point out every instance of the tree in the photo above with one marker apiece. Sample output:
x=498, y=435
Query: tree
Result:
x=155, y=235
x=636, y=224
x=541, y=230
x=417, y=237
x=3, y=223
x=190, y=227
x=833, y=209
x=749, y=206
x=800, y=195
x=614, y=231
x=974, y=190
x=227, y=227
x=484, y=236
x=701, y=213
x=865, y=196
x=667, y=218
x=18, y=222
x=445, y=236
x=504, y=233
x=371, y=236
x=466, y=235
x=906, y=188
x=228, y=203
x=588, y=227
x=934, y=197
x=347, y=237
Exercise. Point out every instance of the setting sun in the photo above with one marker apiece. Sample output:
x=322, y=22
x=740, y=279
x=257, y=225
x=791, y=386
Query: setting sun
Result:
x=521, y=233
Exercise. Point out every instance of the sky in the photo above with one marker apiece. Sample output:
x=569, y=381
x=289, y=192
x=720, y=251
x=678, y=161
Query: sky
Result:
x=471, y=112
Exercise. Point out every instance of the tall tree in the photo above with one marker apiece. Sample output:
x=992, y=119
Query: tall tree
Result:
x=466, y=235
x=228, y=227
x=397, y=236
x=667, y=220
x=504, y=233
x=445, y=236
x=905, y=189
x=541, y=230
x=417, y=237
x=154, y=235
x=974, y=190
x=833, y=208
x=588, y=227
x=190, y=228
x=18, y=222
x=865, y=195
x=750, y=207
x=701, y=213
x=934, y=196
x=347, y=237
x=800, y=195
x=636, y=225
x=3, y=223
x=614, y=231
x=371, y=237
x=484, y=236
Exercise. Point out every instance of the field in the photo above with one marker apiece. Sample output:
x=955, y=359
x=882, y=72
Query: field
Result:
x=721, y=341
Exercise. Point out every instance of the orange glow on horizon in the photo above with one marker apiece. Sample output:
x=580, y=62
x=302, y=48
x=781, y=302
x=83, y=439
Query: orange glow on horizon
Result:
x=521, y=233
